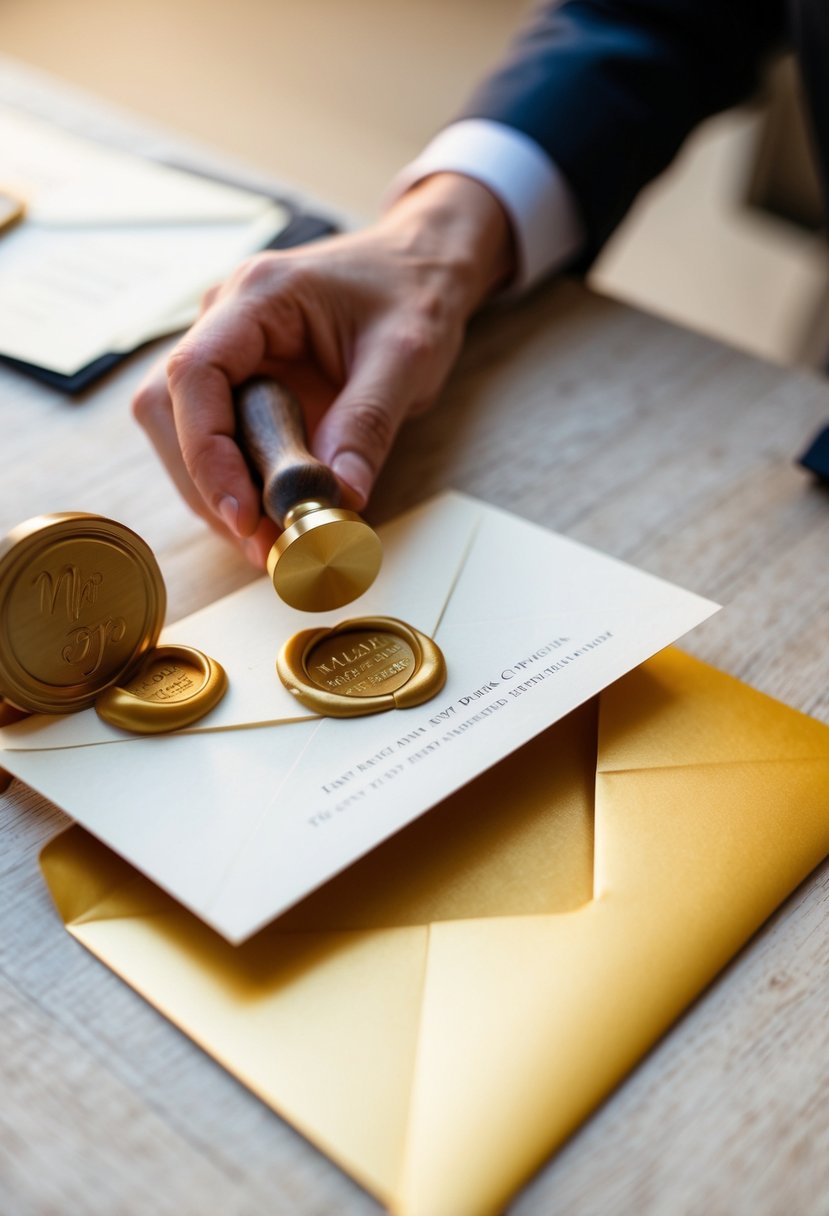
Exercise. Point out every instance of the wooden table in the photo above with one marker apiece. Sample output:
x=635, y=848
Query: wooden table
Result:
x=650, y=443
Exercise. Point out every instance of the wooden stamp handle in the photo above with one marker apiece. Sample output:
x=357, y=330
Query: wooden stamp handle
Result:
x=271, y=430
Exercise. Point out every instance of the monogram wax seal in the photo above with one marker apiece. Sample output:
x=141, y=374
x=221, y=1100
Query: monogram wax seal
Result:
x=81, y=600
x=82, y=603
x=361, y=666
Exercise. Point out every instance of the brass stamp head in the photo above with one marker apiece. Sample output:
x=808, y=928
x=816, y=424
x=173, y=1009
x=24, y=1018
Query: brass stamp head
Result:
x=81, y=600
x=362, y=666
x=325, y=558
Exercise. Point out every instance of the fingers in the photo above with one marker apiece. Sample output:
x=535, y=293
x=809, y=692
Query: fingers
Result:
x=362, y=349
x=356, y=434
x=221, y=350
x=153, y=409
x=188, y=412
x=257, y=547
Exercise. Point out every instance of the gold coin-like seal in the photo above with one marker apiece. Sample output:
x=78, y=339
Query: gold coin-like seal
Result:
x=81, y=602
x=362, y=666
x=174, y=687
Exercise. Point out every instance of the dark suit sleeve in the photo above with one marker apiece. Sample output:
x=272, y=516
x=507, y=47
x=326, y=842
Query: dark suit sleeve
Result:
x=610, y=88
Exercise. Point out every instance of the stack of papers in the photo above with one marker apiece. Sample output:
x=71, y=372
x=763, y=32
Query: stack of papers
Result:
x=114, y=250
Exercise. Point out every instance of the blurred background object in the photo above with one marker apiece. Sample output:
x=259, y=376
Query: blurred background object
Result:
x=335, y=95
x=729, y=241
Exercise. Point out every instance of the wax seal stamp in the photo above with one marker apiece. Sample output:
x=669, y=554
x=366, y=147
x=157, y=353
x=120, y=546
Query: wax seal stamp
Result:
x=326, y=556
x=82, y=602
x=362, y=666
x=173, y=687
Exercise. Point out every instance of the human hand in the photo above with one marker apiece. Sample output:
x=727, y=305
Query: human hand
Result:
x=363, y=329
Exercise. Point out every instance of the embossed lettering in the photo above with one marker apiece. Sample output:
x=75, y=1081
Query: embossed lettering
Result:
x=78, y=592
x=347, y=657
x=88, y=643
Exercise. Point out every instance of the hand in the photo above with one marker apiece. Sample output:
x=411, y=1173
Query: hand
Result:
x=364, y=330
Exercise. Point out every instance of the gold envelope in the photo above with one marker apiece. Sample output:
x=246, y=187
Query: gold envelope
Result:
x=440, y=1016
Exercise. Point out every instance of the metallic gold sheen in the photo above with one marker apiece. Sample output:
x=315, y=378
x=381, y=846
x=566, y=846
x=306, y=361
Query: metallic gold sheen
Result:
x=325, y=558
x=81, y=601
x=362, y=666
x=696, y=843
x=173, y=687
x=305, y=508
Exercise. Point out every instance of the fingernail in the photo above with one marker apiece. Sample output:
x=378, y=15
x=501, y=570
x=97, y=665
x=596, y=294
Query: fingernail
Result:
x=229, y=511
x=356, y=472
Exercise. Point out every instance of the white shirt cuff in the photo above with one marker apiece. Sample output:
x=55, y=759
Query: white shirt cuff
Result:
x=532, y=190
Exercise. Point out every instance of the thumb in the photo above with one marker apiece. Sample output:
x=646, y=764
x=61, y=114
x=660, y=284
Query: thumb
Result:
x=357, y=431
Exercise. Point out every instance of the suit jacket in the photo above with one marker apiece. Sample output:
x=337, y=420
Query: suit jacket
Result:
x=610, y=88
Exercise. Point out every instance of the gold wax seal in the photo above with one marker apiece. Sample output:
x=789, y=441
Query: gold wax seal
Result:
x=81, y=600
x=81, y=606
x=173, y=687
x=362, y=666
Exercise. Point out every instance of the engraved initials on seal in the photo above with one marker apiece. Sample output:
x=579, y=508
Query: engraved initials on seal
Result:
x=89, y=642
x=70, y=591
x=78, y=592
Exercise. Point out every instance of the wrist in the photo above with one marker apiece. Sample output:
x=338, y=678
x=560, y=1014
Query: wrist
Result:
x=457, y=228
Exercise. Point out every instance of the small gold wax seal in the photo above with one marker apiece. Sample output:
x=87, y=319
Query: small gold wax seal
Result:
x=362, y=666
x=81, y=600
x=173, y=687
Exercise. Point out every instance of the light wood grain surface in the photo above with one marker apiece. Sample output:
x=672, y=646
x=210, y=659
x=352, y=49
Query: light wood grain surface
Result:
x=647, y=441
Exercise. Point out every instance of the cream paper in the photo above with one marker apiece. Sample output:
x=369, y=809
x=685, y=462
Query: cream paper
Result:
x=242, y=815
x=114, y=250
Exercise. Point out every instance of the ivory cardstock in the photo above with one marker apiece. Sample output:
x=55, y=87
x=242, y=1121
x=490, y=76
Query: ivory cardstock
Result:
x=261, y=802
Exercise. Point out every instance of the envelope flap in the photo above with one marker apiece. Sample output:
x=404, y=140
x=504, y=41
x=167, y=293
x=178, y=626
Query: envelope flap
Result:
x=87, y=881
x=516, y=841
x=523, y=574
x=527, y=1023
x=322, y=1027
x=676, y=710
